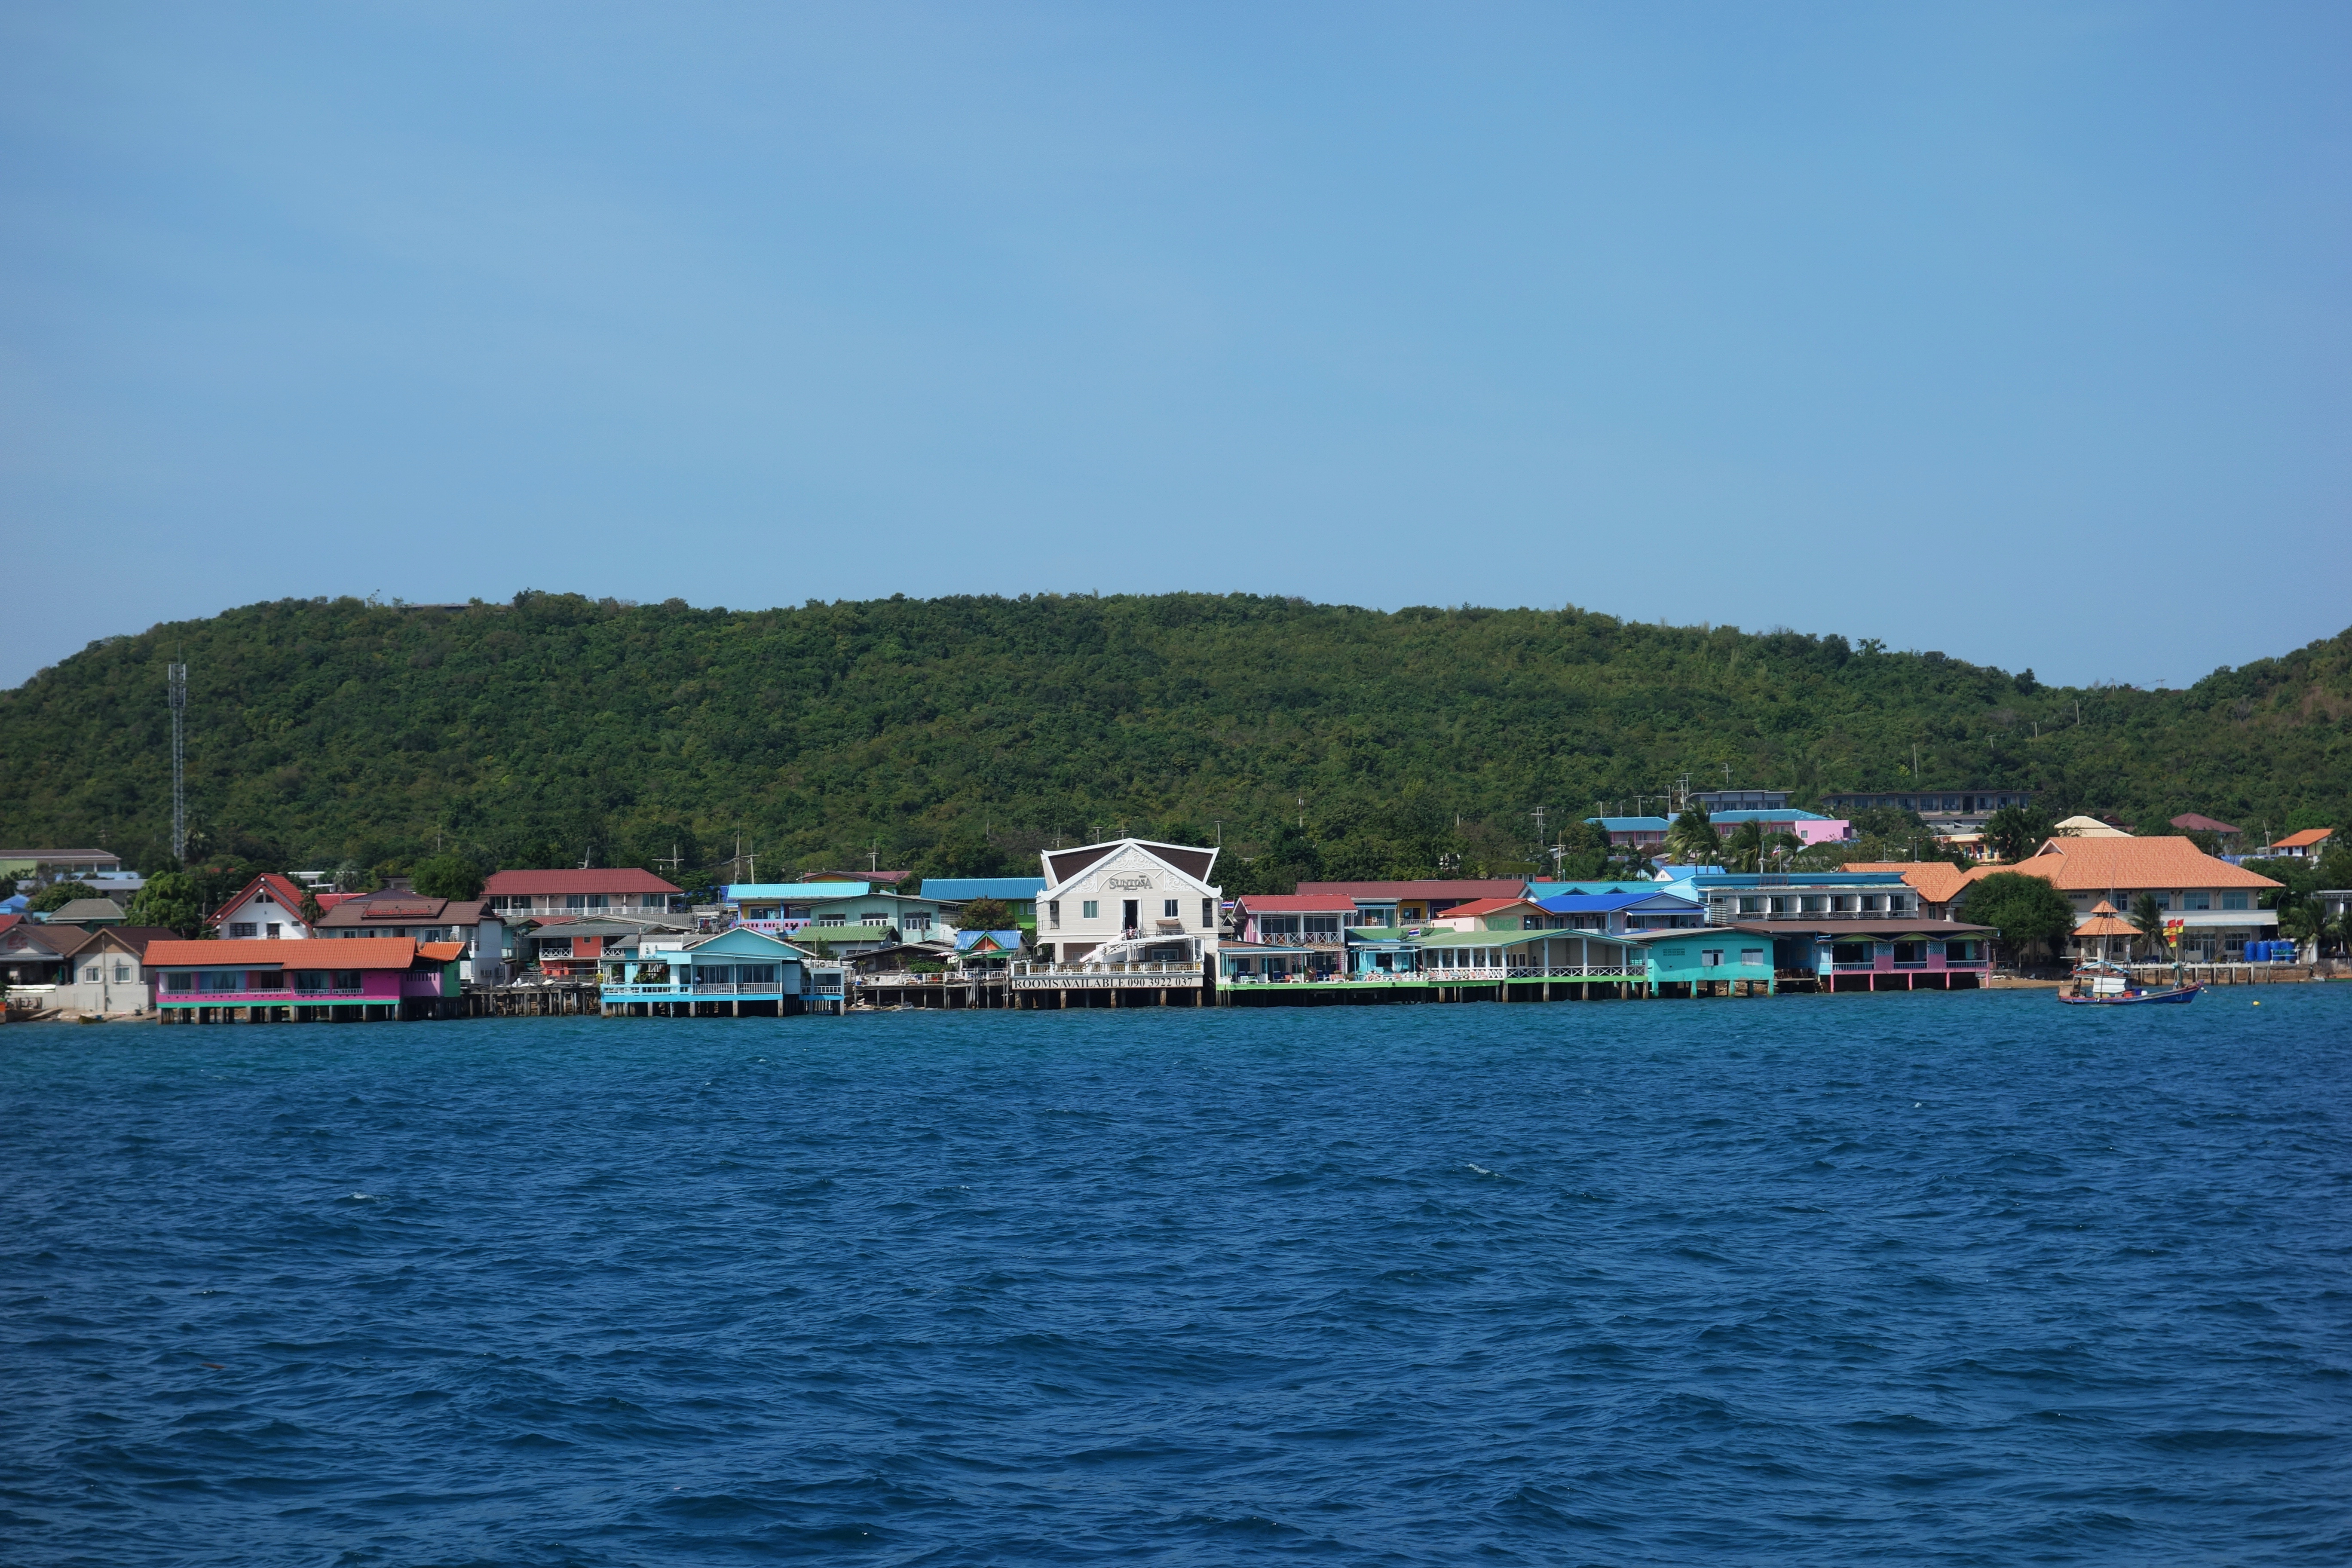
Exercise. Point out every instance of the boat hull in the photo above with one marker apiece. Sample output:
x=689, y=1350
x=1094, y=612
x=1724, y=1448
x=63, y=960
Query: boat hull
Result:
x=2132, y=999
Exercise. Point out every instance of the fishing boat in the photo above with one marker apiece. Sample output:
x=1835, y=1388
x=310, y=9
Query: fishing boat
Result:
x=2103, y=985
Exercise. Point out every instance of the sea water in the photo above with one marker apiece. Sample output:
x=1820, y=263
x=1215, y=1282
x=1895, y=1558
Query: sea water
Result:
x=1972, y=1278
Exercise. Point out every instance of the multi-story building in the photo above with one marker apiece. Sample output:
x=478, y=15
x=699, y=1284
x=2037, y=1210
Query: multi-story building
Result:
x=1411, y=902
x=2216, y=904
x=1150, y=902
x=1948, y=812
x=617, y=890
x=58, y=865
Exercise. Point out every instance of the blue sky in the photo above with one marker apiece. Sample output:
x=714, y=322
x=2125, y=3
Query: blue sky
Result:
x=2015, y=331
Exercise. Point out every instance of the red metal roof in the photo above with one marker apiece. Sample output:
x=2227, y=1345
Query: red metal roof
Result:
x=284, y=890
x=2196, y=824
x=1484, y=888
x=359, y=953
x=602, y=879
x=1486, y=907
x=1296, y=903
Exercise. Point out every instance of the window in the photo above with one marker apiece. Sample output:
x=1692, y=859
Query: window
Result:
x=1812, y=903
x=347, y=979
x=917, y=923
x=2197, y=900
x=2164, y=900
x=1779, y=905
x=309, y=980
x=1752, y=956
x=1053, y=914
x=242, y=928
x=1963, y=951
x=874, y=918
x=274, y=931
x=2234, y=900
x=1323, y=925
x=1898, y=903
x=1168, y=909
x=1209, y=915
x=1910, y=952
x=1091, y=909
x=832, y=918
x=598, y=901
x=179, y=983
x=1710, y=957
x=218, y=979
x=1842, y=902
x=575, y=900
x=90, y=974
x=1751, y=906
x=122, y=972
x=1871, y=902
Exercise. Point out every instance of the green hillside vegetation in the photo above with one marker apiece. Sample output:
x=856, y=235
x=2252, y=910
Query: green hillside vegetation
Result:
x=957, y=736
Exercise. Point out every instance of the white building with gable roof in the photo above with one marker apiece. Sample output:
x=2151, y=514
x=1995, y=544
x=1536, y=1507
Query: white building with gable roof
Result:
x=1131, y=898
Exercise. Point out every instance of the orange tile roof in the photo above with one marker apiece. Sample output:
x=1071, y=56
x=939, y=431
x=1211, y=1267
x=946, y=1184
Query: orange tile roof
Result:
x=357, y=952
x=2304, y=840
x=2094, y=865
x=1938, y=881
x=439, y=952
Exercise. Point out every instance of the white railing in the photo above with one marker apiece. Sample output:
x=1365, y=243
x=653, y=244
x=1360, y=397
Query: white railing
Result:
x=1718, y=915
x=1157, y=966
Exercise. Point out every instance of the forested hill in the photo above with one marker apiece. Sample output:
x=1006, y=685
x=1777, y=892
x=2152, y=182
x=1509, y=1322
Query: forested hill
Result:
x=961, y=733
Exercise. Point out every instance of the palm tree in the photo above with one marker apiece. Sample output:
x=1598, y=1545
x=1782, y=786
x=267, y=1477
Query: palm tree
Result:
x=1692, y=839
x=2149, y=916
x=1744, y=850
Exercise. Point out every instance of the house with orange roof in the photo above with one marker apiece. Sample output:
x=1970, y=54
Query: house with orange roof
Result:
x=2217, y=906
x=2303, y=846
x=256, y=980
x=1494, y=914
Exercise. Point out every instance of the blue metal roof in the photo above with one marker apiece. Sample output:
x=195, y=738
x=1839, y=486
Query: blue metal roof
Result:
x=1632, y=824
x=1780, y=814
x=982, y=887
x=1603, y=903
x=1541, y=891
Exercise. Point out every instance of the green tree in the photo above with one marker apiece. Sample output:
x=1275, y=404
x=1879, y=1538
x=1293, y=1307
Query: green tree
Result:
x=448, y=874
x=312, y=911
x=2025, y=910
x=1692, y=839
x=985, y=914
x=2147, y=916
x=2304, y=922
x=2014, y=832
x=57, y=895
x=169, y=900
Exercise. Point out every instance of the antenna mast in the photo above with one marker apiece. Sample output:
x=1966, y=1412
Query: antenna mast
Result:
x=176, y=682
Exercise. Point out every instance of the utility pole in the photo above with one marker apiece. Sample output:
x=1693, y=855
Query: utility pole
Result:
x=176, y=682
